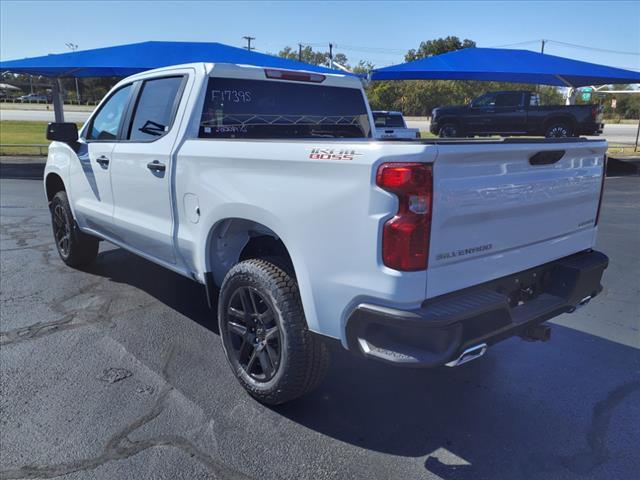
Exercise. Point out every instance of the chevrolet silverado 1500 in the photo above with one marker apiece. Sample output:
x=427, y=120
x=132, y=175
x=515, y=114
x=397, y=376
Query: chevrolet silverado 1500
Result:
x=268, y=187
x=392, y=125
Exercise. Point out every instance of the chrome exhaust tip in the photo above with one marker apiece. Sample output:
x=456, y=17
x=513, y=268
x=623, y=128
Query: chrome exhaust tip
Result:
x=581, y=303
x=469, y=354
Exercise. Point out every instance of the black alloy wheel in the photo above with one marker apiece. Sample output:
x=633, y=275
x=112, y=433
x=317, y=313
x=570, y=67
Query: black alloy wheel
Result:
x=253, y=334
x=61, y=230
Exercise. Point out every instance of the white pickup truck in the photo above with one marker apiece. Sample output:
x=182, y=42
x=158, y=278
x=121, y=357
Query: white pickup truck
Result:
x=268, y=187
x=390, y=124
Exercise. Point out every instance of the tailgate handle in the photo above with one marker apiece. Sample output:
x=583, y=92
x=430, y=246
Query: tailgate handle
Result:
x=546, y=158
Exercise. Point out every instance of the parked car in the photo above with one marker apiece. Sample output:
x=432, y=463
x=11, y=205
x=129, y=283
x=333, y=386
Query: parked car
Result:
x=511, y=113
x=33, y=97
x=392, y=125
x=269, y=187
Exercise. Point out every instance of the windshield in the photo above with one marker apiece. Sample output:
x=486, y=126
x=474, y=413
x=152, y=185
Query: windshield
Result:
x=241, y=108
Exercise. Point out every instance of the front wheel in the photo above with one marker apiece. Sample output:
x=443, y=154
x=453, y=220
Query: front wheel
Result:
x=449, y=130
x=264, y=333
x=75, y=248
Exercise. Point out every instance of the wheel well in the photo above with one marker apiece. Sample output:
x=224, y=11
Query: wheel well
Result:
x=562, y=119
x=53, y=185
x=235, y=240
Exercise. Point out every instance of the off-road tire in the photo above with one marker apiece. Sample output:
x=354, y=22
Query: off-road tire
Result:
x=303, y=357
x=450, y=130
x=75, y=248
x=558, y=130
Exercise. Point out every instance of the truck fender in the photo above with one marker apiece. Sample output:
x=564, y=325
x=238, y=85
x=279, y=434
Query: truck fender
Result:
x=230, y=229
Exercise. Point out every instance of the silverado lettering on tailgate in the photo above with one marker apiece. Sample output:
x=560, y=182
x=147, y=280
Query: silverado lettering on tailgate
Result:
x=464, y=251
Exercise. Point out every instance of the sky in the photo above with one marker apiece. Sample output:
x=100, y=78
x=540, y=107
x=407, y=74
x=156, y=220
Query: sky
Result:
x=606, y=32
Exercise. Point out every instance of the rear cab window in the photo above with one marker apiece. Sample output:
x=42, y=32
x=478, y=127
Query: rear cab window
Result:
x=388, y=120
x=264, y=109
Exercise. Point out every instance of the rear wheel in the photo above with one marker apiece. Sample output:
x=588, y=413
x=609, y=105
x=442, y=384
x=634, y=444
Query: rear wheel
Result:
x=449, y=130
x=264, y=333
x=558, y=130
x=75, y=248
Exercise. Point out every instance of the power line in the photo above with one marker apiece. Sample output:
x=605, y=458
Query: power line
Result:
x=567, y=44
x=584, y=47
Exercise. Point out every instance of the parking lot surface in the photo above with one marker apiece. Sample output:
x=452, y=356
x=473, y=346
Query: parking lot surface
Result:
x=117, y=372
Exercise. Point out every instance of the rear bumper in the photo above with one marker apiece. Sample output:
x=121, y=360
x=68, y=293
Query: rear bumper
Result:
x=443, y=327
x=591, y=129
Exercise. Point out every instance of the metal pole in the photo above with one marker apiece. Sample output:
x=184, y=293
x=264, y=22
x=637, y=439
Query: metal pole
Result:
x=635, y=149
x=542, y=49
x=331, y=55
x=299, y=52
x=77, y=91
x=58, y=109
x=248, y=39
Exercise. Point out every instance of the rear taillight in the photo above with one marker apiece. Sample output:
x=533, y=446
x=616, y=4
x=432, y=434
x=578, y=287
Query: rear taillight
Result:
x=293, y=75
x=594, y=112
x=604, y=174
x=405, y=238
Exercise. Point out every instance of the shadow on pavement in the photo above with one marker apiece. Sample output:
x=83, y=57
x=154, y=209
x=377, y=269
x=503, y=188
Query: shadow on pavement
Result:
x=566, y=408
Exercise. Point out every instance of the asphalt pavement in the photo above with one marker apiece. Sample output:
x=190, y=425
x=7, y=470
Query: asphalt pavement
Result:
x=117, y=372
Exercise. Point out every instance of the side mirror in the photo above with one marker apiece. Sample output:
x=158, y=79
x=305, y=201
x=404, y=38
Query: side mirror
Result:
x=62, y=132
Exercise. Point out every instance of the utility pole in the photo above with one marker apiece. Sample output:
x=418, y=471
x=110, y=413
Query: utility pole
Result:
x=248, y=39
x=73, y=47
x=542, y=48
x=299, y=52
x=331, y=55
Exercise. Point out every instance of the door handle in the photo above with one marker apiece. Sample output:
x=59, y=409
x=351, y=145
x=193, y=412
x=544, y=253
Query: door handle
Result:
x=156, y=166
x=102, y=161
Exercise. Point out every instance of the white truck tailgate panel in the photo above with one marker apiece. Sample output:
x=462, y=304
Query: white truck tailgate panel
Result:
x=495, y=214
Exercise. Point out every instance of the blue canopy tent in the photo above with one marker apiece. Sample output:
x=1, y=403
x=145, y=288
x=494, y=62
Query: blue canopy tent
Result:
x=496, y=64
x=124, y=60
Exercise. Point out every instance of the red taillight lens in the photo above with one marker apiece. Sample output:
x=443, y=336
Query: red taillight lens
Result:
x=604, y=174
x=405, y=238
x=293, y=75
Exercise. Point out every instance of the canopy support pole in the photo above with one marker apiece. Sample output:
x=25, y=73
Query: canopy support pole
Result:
x=58, y=105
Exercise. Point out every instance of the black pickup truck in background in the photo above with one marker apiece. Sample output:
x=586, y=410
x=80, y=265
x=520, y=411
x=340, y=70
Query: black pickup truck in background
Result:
x=515, y=113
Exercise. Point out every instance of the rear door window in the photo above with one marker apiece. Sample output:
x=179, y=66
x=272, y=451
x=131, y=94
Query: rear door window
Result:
x=155, y=108
x=511, y=99
x=242, y=108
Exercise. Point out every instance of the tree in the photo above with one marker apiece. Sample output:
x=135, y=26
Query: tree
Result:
x=363, y=67
x=438, y=47
x=308, y=55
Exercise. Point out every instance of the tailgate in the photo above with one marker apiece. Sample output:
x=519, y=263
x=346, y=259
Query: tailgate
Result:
x=500, y=208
